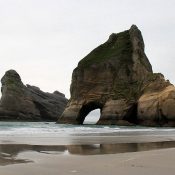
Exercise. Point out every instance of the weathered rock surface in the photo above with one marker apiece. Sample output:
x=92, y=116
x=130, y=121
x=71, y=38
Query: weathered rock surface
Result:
x=117, y=78
x=28, y=103
x=156, y=106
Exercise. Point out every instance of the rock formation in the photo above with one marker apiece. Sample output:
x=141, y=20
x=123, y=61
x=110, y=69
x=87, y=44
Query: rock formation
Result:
x=28, y=103
x=117, y=78
x=156, y=106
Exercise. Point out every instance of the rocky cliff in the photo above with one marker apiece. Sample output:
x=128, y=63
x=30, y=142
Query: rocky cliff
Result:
x=28, y=103
x=117, y=78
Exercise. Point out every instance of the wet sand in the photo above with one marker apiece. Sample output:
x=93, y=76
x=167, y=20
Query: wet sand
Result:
x=157, y=162
x=87, y=155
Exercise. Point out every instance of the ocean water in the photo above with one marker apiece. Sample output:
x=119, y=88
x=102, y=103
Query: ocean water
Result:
x=51, y=128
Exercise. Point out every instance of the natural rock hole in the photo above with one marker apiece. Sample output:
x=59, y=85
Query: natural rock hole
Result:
x=92, y=117
x=86, y=109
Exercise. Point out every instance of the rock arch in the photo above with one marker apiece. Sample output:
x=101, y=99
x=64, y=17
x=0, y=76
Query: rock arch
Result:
x=117, y=77
x=86, y=109
x=110, y=78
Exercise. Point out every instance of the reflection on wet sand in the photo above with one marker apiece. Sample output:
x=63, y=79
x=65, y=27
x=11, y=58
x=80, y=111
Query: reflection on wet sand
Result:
x=9, y=152
x=117, y=148
x=6, y=159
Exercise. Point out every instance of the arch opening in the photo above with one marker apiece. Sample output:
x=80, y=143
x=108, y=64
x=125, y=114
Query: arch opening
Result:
x=93, y=117
x=94, y=111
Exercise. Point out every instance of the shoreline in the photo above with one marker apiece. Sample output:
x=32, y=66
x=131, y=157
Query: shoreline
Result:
x=56, y=139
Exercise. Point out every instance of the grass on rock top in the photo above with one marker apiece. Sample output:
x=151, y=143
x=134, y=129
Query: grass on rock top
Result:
x=118, y=47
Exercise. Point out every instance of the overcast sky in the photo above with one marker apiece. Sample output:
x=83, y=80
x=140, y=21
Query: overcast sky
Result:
x=43, y=40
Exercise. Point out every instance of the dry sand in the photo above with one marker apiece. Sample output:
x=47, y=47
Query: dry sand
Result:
x=157, y=162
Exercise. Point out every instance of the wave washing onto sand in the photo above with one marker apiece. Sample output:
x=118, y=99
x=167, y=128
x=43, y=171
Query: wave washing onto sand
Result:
x=32, y=128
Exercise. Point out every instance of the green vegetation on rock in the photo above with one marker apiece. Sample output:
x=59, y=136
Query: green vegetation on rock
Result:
x=118, y=47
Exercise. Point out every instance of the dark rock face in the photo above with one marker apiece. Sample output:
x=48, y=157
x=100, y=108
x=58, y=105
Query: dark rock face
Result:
x=28, y=103
x=113, y=77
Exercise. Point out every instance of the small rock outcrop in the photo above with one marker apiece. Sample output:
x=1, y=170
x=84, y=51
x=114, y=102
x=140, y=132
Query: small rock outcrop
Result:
x=117, y=78
x=28, y=103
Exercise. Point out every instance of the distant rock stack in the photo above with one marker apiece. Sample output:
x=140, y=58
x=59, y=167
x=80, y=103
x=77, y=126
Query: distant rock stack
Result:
x=117, y=78
x=28, y=103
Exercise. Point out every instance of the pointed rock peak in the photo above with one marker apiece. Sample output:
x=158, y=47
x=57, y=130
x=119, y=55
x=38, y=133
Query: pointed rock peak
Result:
x=10, y=77
x=136, y=33
x=12, y=73
x=134, y=27
x=134, y=30
x=114, y=36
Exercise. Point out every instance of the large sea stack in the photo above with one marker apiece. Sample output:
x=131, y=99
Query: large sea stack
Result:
x=28, y=103
x=117, y=78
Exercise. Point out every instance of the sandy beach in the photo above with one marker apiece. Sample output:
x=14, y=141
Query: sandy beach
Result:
x=81, y=150
x=157, y=162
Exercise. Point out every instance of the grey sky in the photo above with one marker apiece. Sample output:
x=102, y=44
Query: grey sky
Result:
x=44, y=39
